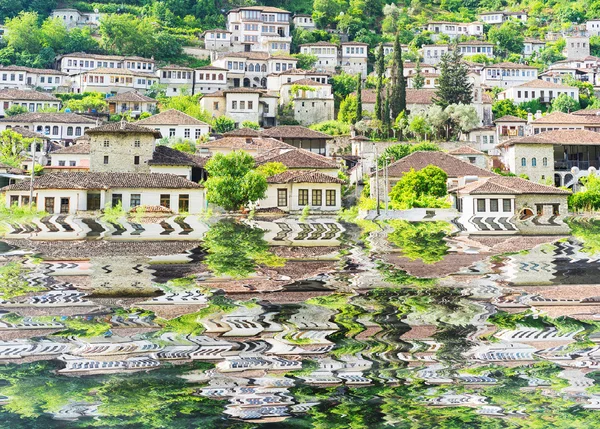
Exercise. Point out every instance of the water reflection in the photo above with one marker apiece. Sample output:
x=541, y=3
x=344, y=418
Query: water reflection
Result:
x=240, y=323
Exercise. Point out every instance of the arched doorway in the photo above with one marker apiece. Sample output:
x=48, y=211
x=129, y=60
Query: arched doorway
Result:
x=525, y=214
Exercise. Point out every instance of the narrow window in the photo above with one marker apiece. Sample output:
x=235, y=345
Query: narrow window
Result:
x=281, y=197
x=317, y=197
x=303, y=197
x=330, y=197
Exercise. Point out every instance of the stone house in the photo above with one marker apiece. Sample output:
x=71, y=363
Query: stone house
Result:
x=60, y=127
x=501, y=205
x=173, y=124
x=312, y=101
x=68, y=193
x=242, y=104
x=29, y=99
x=132, y=102
x=293, y=190
x=121, y=147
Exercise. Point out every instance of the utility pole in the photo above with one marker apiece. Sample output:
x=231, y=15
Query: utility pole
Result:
x=376, y=177
x=32, y=173
x=385, y=180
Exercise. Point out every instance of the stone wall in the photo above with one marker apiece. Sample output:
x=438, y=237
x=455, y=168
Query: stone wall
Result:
x=539, y=173
x=547, y=222
x=121, y=152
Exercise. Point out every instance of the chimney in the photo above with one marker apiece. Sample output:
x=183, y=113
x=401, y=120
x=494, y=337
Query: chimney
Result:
x=538, y=114
x=529, y=118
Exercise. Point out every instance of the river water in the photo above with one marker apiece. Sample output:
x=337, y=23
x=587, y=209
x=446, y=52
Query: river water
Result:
x=281, y=322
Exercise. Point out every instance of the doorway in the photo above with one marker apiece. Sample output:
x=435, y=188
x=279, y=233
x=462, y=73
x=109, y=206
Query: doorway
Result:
x=65, y=205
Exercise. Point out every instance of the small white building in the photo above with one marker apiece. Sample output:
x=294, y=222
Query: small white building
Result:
x=78, y=62
x=592, y=27
x=17, y=77
x=112, y=80
x=532, y=46
x=500, y=17
x=131, y=102
x=538, y=89
x=260, y=28
x=476, y=47
x=242, y=104
x=74, y=18
x=31, y=100
x=293, y=190
x=506, y=75
x=174, y=124
x=432, y=54
x=71, y=158
x=210, y=79
x=454, y=29
x=353, y=58
x=304, y=21
x=61, y=127
x=327, y=54
x=177, y=79
x=217, y=40
x=276, y=80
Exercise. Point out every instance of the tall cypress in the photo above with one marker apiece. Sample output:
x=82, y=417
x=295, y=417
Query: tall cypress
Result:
x=380, y=70
x=398, y=101
x=358, y=97
x=386, y=111
x=453, y=85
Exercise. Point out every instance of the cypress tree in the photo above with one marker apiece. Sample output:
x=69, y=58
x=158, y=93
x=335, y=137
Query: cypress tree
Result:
x=386, y=111
x=380, y=70
x=358, y=97
x=453, y=85
x=418, y=79
x=398, y=101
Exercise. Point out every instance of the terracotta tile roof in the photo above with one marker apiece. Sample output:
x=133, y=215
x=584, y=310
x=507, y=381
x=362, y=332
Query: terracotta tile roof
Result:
x=21, y=94
x=105, y=57
x=355, y=43
x=586, y=112
x=212, y=68
x=303, y=176
x=420, y=96
x=320, y=43
x=558, y=137
x=243, y=132
x=453, y=166
x=244, y=143
x=509, y=65
x=32, y=70
x=294, y=132
x=510, y=118
x=62, y=118
x=508, y=185
x=248, y=55
x=121, y=72
x=79, y=148
x=171, y=117
x=164, y=155
x=306, y=81
x=465, y=150
x=539, y=83
x=558, y=117
x=123, y=127
x=294, y=71
x=10, y=169
x=88, y=180
x=130, y=96
x=28, y=134
x=297, y=158
x=476, y=42
x=261, y=8
x=175, y=67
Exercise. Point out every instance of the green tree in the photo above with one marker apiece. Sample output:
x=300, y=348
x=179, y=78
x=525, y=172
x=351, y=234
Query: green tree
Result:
x=232, y=181
x=380, y=71
x=398, y=82
x=453, y=84
x=504, y=107
x=188, y=104
x=342, y=85
x=324, y=12
x=15, y=109
x=54, y=34
x=23, y=33
x=462, y=117
x=564, y=103
x=359, y=114
x=81, y=40
x=418, y=125
x=269, y=169
x=305, y=61
x=424, y=188
x=223, y=124
x=348, y=110
x=418, y=79
x=251, y=125
x=12, y=145
x=92, y=101
x=508, y=37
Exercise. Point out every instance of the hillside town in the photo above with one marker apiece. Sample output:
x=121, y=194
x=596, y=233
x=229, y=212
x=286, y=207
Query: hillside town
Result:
x=323, y=214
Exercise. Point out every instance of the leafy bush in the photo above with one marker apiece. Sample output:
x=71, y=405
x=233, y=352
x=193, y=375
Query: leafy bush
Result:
x=333, y=128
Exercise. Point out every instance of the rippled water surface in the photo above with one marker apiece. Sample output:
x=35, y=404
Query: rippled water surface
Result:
x=296, y=323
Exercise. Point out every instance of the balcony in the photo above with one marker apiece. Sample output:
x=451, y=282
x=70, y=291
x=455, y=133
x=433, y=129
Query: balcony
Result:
x=582, y=165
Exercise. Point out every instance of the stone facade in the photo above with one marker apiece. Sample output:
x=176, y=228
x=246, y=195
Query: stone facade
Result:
x=548, y=214
x=534, y=160
x=121, y=152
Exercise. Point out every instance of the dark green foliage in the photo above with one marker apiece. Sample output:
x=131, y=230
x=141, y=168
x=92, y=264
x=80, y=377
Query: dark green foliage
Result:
x=359, y=113
x=453, y=85
x=379, y=70
x=398, y=101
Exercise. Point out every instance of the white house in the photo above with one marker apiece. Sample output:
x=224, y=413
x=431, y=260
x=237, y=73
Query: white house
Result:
x=500, y=17
x=74, y=18
x=276, y=80
x=260, y=28
x=78, y=62
x=63, y=127
x=538, y=90
x=217, y=40
x=178, y=79
x=132, y=102
x=327, y=54
x=174, y=124
x=112, y=80
x=293, y=190
x=432, y=54
x=250, y=69
x=592, y=27
x=242, y=104
x=532, y=46
x=69, y=193
x=505, y=75
x=31, y=100
x=17, y=77
x=71, y=158
x=304, y=21
x=454, y=29
x=353, y=58
x=312, y=101
x=476, y=47
x=210, y=79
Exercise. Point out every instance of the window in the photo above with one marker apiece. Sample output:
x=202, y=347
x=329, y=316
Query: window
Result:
x=48, y=204
x=545, y=162
x=317, y=197
x=165, y=200
x=493, y=205
x=523, y=162
x=330, y=198
x=186, y=133
x=134, y=200
x=77, y=131
x=106, y=142
x=303, y=197
x=480, y=205
x=233, y=105
x=250, y=105
x=136, y=143
x=242, y=105
x=171, y=132
x=54, y=130
x=533, y=162
x=117, y=199
x=93, y=201
x=184, y=203
x=72, y=163
x=506, y=205
x=105, y=159
x=136, y=160
x=61, y=163
x=197, y=133
x=281, y=197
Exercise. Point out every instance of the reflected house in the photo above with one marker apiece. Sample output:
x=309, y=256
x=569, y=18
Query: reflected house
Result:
x=500, y=204
x=553, y=155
